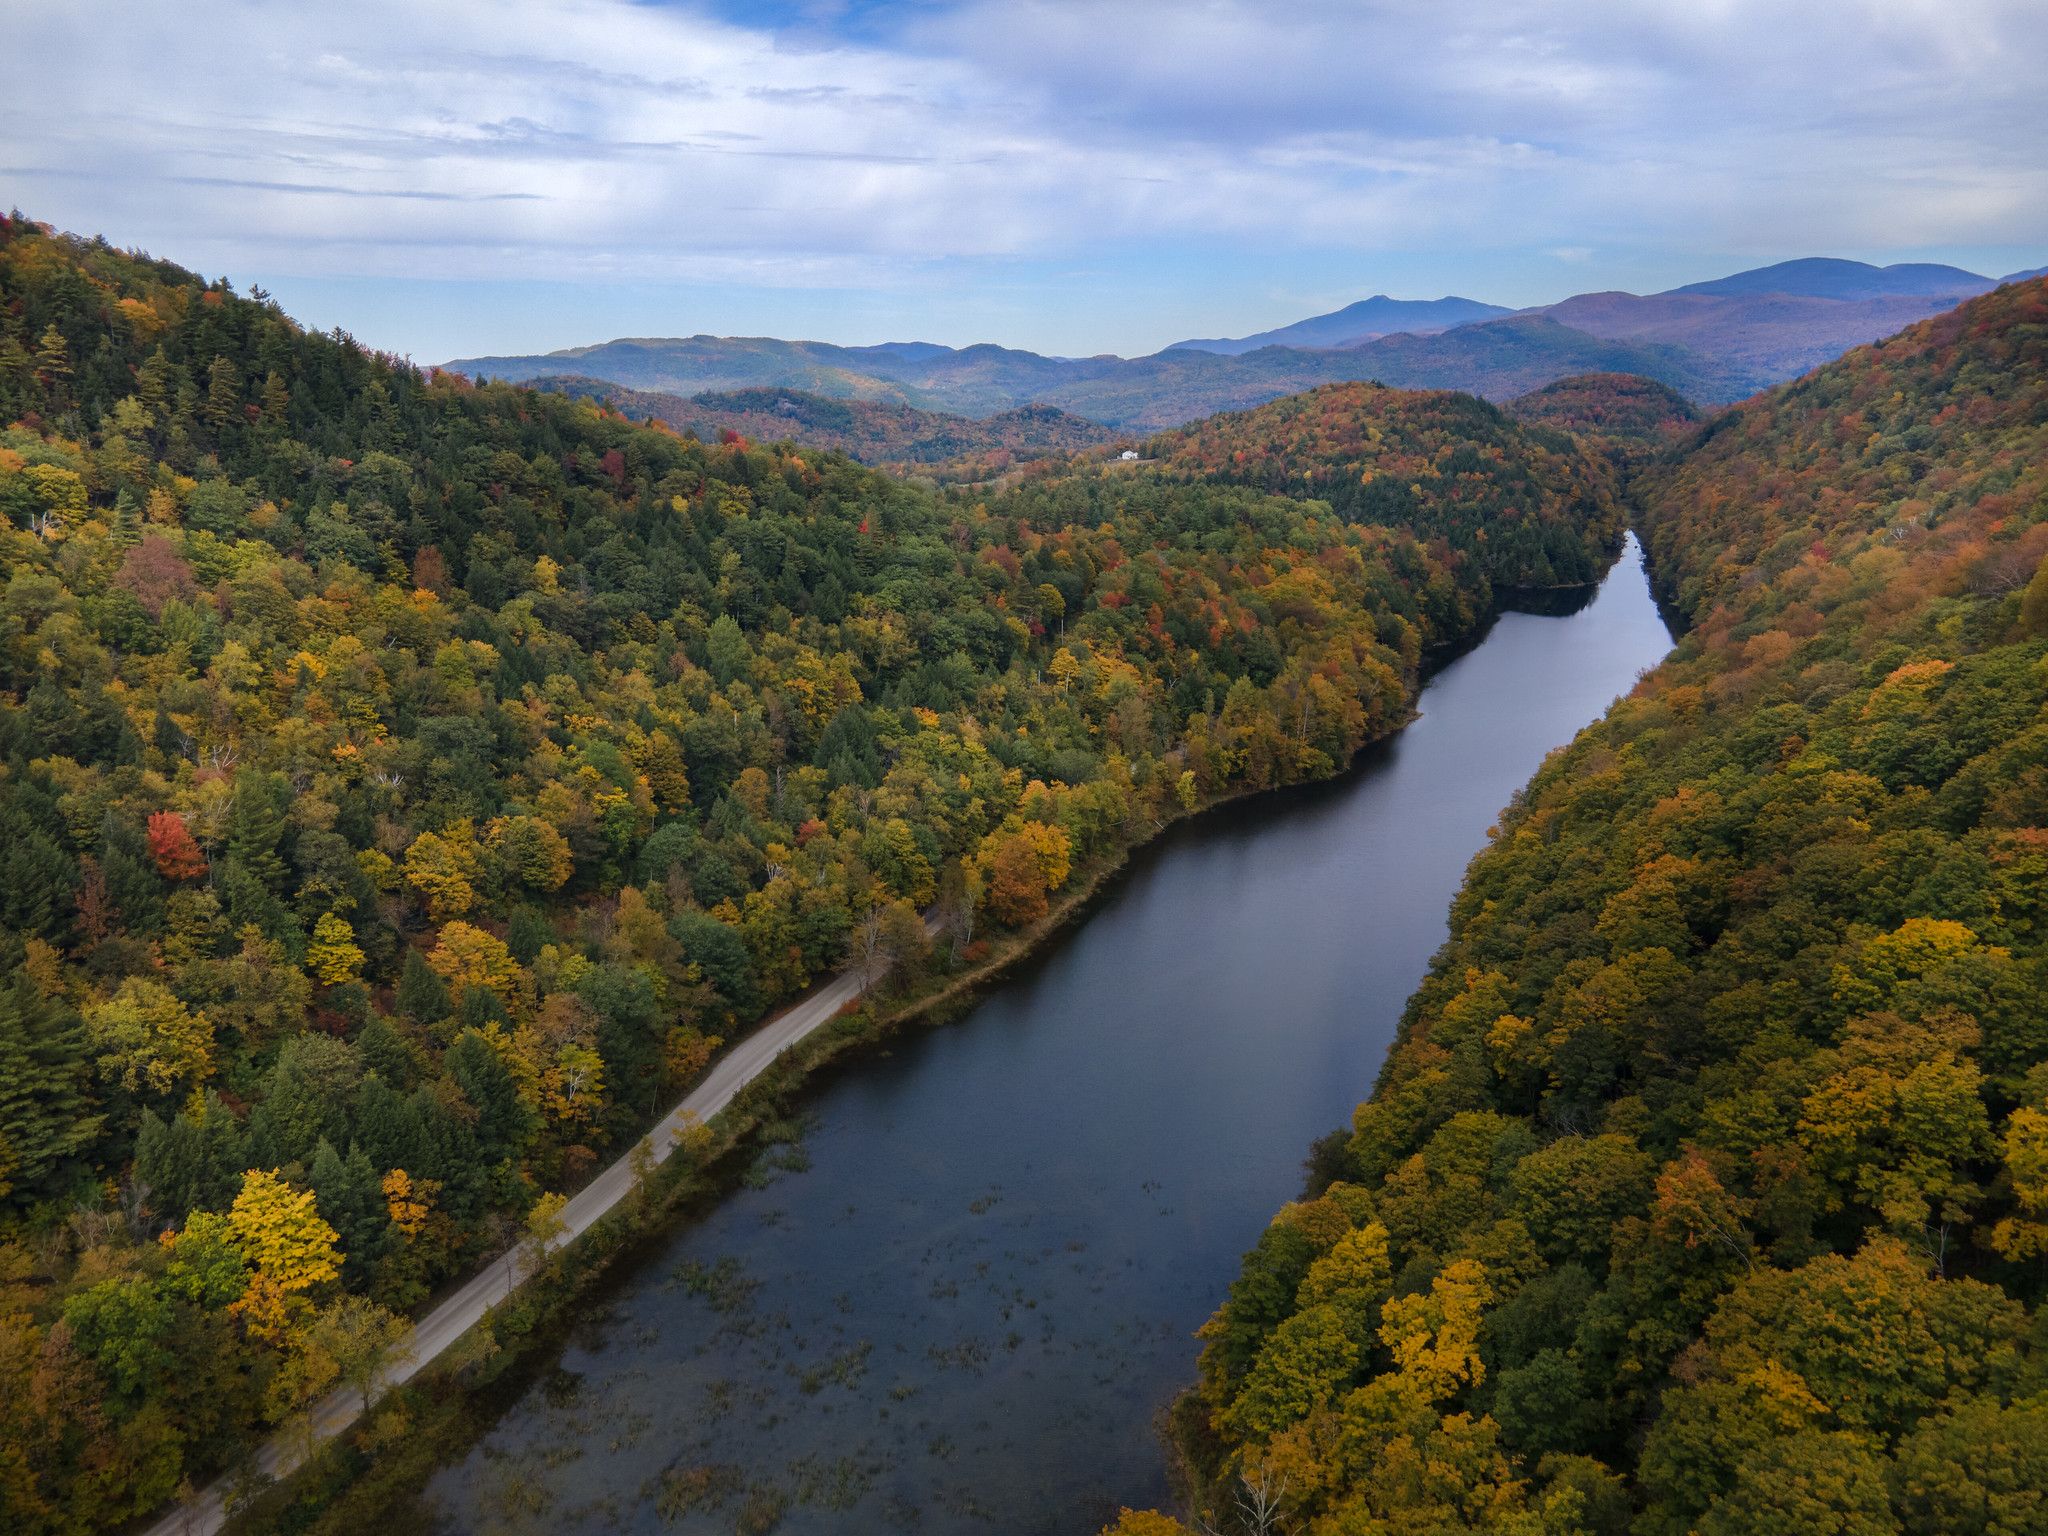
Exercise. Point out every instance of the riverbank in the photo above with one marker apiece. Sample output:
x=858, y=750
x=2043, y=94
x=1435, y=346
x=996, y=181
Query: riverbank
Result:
x=384, y=1461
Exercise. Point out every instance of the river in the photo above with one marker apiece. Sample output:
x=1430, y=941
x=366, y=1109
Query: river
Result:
x=961, y=1299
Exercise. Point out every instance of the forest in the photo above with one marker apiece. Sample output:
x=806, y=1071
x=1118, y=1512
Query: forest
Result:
x=880, y=432
x=406, y=788
x=1706, y=1189
x=1534, y=506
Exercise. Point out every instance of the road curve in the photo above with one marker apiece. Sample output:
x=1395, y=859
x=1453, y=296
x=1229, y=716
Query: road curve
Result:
x=439, y=1328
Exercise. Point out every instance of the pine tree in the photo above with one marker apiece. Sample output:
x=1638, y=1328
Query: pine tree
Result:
x=385, y=1052
x=503, y=1122
x=387, y=1126
x=257, y=825
x=53, y=364
x=351, y=1200
x=44, y=1108
x=223, y=394
x=422, y=994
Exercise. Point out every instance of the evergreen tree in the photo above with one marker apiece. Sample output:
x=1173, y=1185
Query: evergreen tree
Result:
x=223, y=394
x=503, y=1122
x=422, y=995
x=46, y=1117
x=350, y=1198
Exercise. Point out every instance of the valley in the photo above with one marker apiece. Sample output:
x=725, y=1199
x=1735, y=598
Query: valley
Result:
x=415, y=786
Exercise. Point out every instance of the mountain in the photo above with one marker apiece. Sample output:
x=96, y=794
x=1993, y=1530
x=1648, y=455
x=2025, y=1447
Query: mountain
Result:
x=872, y=431
x=1705, y=1189
x=1827, y=277
x=1495, y=358
x=1715, y=342
x=2021, y=277
x=1620, y=409
x=1750, y=340
x=1376, y=316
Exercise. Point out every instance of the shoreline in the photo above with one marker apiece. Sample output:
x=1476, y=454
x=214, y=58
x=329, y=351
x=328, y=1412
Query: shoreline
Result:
x=365, y=1465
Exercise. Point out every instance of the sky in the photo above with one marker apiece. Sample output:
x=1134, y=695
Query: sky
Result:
x=450, y=178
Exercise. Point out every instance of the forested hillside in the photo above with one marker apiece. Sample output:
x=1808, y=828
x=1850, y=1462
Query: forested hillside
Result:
x=1707, y=1187
x=1538, y=510
x=879, y=432
x=1621, y=410
x=404, y=786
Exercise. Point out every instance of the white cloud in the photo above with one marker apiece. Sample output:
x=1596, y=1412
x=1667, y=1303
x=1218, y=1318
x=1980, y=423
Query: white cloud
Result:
x=601, y=140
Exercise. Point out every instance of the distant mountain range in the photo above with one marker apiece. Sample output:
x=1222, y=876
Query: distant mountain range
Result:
x=1368, y=318
x=873, y=431
x=1714, y=342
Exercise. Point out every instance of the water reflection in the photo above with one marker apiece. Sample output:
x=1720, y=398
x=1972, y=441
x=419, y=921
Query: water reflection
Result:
x=961, y=1298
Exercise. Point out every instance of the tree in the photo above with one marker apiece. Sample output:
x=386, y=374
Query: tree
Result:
x=279, y=1233
x=408, y=1201
x=867, y=957
x=1021, y=866
x=53, y=361
x=191, y=1162
x=223, y=393
x=350, y=1200
x=543, y=1231
x=502, y=1121
x=2034, y=602
x=468, y=958
x=363, y=1340
x=177, y=855
x=148, y=1041
x=726, y=649
x=533, y=853
x=46, y=1117
x=333, y=955
x=441, y=866
x=422, y=995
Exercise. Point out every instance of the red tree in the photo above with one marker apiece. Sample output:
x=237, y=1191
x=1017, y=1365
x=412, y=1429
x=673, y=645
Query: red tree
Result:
x=170, y=844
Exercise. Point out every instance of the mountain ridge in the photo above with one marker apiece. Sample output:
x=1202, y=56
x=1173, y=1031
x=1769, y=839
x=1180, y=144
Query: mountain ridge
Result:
x=1356, y=322
x=1715, y=342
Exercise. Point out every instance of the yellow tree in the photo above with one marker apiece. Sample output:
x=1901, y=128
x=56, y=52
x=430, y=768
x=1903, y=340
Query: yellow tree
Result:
x=465, y=956
x=280, y=1234
x=531, y=852
x=442, y=867
x=333, y=954
x=148, y=1040
x=409, y=1201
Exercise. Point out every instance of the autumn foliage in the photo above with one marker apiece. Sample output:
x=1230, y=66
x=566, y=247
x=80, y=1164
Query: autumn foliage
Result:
x=1711, y=1166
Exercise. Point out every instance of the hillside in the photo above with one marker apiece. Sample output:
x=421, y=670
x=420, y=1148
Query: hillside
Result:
x=1376, y=316
x=1537, y=509
x=874, y=432
x=406, y=786
x=1755, y=339
x=1704, y=1190
x=1620, y=410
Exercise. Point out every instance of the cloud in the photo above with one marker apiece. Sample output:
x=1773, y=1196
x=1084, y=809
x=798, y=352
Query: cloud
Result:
x=580, y=140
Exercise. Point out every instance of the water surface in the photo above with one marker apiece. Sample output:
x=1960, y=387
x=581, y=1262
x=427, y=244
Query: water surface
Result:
x=963, y=1302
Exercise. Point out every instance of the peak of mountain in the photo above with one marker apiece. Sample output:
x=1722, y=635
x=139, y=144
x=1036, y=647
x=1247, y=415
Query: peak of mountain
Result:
x=1362, y=321
x=1714, y=342
x=2022, y=277
x=1829, y=277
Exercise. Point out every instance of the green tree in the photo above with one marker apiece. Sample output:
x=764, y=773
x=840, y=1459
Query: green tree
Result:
x=363, y=1340
x=46, y=1118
